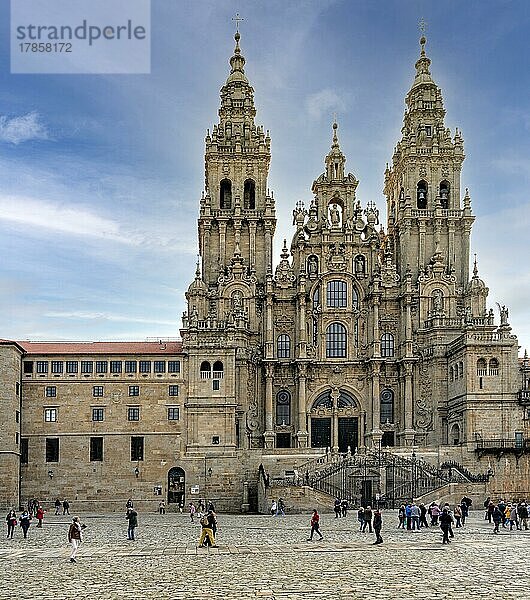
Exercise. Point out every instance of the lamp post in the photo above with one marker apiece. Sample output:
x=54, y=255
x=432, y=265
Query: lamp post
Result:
x=413, y=475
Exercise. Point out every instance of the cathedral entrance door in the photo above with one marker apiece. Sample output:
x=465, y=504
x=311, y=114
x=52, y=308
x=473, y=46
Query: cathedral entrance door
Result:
x=320, y=432
x=348, y=433
x=176, y=486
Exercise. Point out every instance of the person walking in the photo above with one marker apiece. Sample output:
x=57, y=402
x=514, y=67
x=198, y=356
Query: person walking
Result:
x=490, y=511
x=281, y=507
x=378, y=525
x=129, y=504
x=487, y=515
x=360, y=517
x=40, y=515
x=458, y=515
x=522, y=511
x=344, y=508
x=408, y=515
x=25, y=522
x=337, y=507
x=11, y=521
x=274, y=508
x=193, y=510
x=497, y=517
x=445, y=525
x=402, y=517
x=162, y=508
x=315, y=525
x=435, y=513
x=465, y=512
x=132, y=517
x=207, y=523
x=368, y=519
x=66, y=507
x=57, y=506
x=423, y=515
x=75, y=537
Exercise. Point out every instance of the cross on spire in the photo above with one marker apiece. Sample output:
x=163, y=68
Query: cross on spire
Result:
x=423, y=25
x=237, y=19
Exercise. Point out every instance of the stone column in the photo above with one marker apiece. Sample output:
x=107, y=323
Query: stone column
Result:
x=302, y=435
x=335, y=421
x=409, y=432
x=252, y=244
x=269, y=435
x=376, y=433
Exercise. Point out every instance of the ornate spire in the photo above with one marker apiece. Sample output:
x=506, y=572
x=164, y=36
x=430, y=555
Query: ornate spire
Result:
x=335, y=159
x=237, y=62
x=423, y=75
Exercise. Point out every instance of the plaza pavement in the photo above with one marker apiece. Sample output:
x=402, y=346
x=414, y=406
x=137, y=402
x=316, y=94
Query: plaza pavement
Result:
x=263, y=557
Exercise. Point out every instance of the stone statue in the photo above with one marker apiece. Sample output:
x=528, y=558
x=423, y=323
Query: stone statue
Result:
x=334, y=215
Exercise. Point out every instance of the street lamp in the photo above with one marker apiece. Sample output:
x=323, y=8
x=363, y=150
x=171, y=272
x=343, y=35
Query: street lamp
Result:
x=413, y=475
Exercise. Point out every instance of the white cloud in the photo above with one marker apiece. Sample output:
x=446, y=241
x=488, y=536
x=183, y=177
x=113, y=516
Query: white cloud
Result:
x=22, y=128
x=102, y=316
x=323, y=103
x=77, y=221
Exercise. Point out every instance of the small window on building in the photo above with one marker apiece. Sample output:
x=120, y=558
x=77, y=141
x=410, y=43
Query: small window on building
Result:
x=134, y=390
x=225, y=193
x=428, y=130
x=444, y=194
x=52, y=450
x=130, y=366
x=96, y=449
x=101, y=366
x=97, y=391
x=216, y=385
x=216, y=440
x=98, y=414
x=115, y=366
x=51, y=391
x=87, y=367
x=388, y=440
x=159, y=366
x=137, y=448
x=24, y=451
x=387, y=406
x=283, y=408
x=461, y=370
x=145, y=366
x=17, y=388
x=482, y=369
x=336, y=341
x=57, y=367
x=249, y=194
x=493, y=367
x=17, y=416
x=206, y=370
x=421, y=194
x=42, y=367
x=387, y=345
x=173, y=390
x=283, y=345
x=50, y=415
x=173, y=413
x=173, y=366
x=283, y=440
x=217, y=370
x=72, y=367
x=133, y=413
x=28, y=367
x=455, y=434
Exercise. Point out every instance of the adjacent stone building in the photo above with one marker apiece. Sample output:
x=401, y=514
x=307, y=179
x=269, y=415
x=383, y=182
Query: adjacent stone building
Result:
x=364, y=336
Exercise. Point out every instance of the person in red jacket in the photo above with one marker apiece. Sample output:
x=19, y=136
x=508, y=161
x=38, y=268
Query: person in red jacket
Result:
x=315, y=525
x=40, y=515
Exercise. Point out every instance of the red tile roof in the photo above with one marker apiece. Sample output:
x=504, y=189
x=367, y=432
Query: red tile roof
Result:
x=163, y=348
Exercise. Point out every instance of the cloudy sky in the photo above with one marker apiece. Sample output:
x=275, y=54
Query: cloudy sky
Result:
x=101, y=175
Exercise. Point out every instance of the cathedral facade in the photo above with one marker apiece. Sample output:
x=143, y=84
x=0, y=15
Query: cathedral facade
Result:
x=365, y=335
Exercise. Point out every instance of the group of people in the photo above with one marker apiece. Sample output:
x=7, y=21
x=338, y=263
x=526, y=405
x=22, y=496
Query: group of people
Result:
x=366, y=517
x=34, y=510
x=340, y=508
x=414, y=516
x=278, y=508
x=512, y=514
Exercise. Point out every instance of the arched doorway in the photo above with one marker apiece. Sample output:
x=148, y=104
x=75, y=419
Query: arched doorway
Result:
x=335, y=421
x=176, y=486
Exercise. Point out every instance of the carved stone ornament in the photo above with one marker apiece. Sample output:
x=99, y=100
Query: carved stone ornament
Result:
x=284, y=323
x=336, y=259
x=424, y=400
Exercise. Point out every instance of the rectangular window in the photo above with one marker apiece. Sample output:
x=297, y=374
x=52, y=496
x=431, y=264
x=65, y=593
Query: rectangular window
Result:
x=17, y=416
x=101, y=366
x=137, y=448
x=87, y=366
x=42, y=367
x=57, y=367
x=336, y=294
x=17, y=388
x=133, y=413
x=52, y=449
x=24, y=451
x=72, y=366
x=173, y=366
x=98, y=414
x=159, y=366
x=145, y=366
x=134, y=390
x=96, y=449
x=173, y=390
x=115, y=366
x=130, y=366
x=97, y=391
x=28, y=367
x=51, y=391
x=50, y=415
x=216, y=385
x=173, y=413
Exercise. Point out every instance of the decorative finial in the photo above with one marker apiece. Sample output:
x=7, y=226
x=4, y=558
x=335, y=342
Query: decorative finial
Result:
x=198, y=270
x=475, y=268
x=423, y=39
x=237, y=19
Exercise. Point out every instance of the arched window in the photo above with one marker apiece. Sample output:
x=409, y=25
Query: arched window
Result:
x=283, y=408
x=249, y=194
x=336, y=294
x=444, y=194
x=336, y=341
x=387, y=406
x=451, y=374
x=360, y=265
x=283, y=345
x=461, y=370
x=455, y=434
x=387, y=345
x=481, y=367
x=493, y=366
x=421, y=194
x=225, y=194
x=206, y=370
x=316, y=298
x=323, y=400
x=354, y=298
x=217, y=369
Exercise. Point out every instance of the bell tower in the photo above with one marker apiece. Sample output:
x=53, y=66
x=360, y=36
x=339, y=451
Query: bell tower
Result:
x=237, y=216
x=426, y=215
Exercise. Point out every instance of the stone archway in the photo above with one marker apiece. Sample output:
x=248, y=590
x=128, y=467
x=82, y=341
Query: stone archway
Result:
x=334, y=421
x=176, y=486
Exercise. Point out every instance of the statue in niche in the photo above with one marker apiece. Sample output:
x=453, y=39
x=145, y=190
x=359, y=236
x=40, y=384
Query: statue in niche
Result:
x=312, y=265
x=237, y=301
x=334, y=215
x=437, y=301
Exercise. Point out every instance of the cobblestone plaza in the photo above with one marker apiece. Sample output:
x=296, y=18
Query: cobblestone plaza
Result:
x=263, y=557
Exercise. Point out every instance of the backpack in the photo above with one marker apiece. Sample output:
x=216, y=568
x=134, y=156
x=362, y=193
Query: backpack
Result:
x=204, y=521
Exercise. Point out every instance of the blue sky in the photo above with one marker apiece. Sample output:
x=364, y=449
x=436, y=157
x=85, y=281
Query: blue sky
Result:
x=101, y=175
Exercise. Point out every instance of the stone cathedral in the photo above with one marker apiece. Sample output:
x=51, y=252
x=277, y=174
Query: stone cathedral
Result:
x=365, y=335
